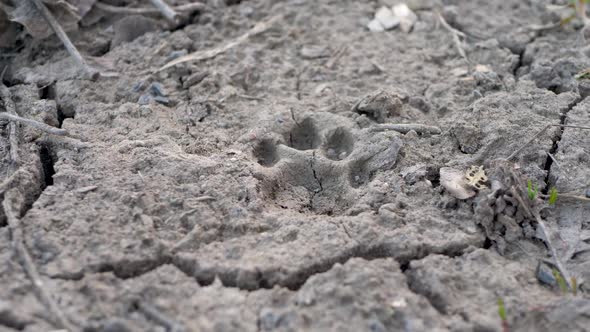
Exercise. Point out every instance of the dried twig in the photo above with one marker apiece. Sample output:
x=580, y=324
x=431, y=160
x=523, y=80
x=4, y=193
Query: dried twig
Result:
x=11, y=198
x=61, y=34
x=166, y=11
x=457, y=35
x=10, y=107
x=541, y=133
x=211, y=53
x=407, y=127
x=191, y=7
x=35, y=124
x=541, y=224
x=154, y=314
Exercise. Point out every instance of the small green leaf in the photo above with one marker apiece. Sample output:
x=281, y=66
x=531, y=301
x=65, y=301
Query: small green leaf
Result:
x=552, y=196
x=501, y=309
x=532, y=193
x=560, y=281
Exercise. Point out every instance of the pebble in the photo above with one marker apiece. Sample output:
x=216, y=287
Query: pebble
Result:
x=387, y=19
x=588, y=192
x=156, y=89
x=545, y=274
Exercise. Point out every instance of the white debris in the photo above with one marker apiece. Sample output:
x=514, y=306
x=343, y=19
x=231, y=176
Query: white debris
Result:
x=406, y=17
x=385, y=16
x=375, y=26
x=454, y=182
x=390, y=18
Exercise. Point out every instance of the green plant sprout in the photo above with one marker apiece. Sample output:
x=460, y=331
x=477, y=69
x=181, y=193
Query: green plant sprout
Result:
x=532, y=192
x=560, y=281
x=552, y=196
x=574, y=286
x=502, y=314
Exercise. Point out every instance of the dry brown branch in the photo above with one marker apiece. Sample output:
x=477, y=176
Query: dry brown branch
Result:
x=61, y=34
x=166, y=11
x=12, y=198
x=541, y=133
x=188, y=8
x=211, y=53
x=35, y=124
x=10, y=107
x=407, y=127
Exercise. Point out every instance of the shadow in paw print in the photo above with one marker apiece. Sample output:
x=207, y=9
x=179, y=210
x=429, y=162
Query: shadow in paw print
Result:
x=339, y=144
x=266, y=153
x=304, y=136
x=317, y=170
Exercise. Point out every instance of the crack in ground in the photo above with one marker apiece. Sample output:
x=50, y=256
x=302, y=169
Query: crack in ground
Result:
x=555, y=146
x=294, y=281
x=316, y=178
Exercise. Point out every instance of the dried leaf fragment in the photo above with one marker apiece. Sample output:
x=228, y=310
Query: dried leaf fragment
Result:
x=455, y=182
x=476, y=177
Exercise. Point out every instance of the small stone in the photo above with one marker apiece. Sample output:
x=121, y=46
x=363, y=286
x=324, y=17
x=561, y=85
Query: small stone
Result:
x=156, y=89
x=144, y=99
x=385, y=16
x=545, y=274
x=375, y=26
x=162, y=100
x=407, y=18
x=588, y=192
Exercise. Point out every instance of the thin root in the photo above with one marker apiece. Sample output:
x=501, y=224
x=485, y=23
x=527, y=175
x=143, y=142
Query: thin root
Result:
x=212, y=53
x=35, y=124
x=188, y=8
x=11, y=198
x=457, y=35
x=407, y=127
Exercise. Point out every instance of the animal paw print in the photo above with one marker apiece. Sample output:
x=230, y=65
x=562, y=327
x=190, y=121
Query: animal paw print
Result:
x=320, y=164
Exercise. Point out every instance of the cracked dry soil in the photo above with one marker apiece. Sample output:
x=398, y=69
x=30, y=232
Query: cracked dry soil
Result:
x=259, y=199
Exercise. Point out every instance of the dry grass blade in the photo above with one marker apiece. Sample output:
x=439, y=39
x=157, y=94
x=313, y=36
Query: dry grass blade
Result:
x=540, y=223
x=166, y=11
x=6, y=96
x=35, y=124
x=457, y=35
x=12, y=198
x=61, y=34
x=191, y=7
x=407, y=127
x=209, y=54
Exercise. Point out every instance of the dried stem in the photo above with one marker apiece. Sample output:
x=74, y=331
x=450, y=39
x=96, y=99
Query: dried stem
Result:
x=158, y=317
x=11, y=198
x=35, y=124
x=407, y=127
x=10, y=107
x=166, y=11
x=61, y=34
x=208, y=54
x=457, y=35
x=537, y=135
x=188, y=8
x=541, y=224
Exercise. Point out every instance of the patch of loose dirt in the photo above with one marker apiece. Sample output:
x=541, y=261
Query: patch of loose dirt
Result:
x=253, y=192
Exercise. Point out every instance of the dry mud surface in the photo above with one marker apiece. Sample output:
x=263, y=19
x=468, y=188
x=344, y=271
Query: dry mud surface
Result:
x=255, y=196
